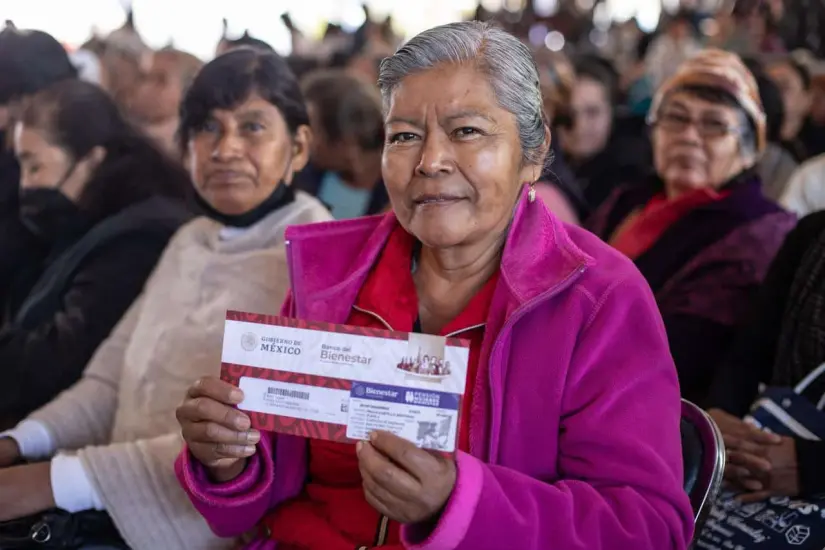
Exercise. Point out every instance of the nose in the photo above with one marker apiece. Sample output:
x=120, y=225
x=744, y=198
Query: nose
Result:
x=229, y=146
x=436, y=156
x=691, y=134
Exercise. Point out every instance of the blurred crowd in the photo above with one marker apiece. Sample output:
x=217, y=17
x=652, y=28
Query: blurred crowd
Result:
x=143, y=193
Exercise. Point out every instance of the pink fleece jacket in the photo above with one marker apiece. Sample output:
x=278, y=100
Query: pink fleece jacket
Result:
x=574, y=437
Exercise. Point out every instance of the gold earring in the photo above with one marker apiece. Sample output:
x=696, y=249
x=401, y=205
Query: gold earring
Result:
x=531, y=194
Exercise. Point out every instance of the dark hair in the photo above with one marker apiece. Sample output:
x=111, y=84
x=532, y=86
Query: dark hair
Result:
x=721, y=97
x=29, y=62
x=347, y=107
x=643, y=45
x=600, y=70
x=228, y=80
x=77, y=117
x=247, y=41
x=302, y=66
x=772, y=104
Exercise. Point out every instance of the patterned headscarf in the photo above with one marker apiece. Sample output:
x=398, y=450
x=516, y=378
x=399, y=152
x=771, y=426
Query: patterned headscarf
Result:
x=723, y=70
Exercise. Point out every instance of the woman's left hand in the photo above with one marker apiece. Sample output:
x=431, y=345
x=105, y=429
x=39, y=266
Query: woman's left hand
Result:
x=25, y=490
x=403, y=482
x=781, y=478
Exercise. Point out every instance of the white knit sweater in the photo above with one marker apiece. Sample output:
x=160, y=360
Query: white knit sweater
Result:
x=121, y=414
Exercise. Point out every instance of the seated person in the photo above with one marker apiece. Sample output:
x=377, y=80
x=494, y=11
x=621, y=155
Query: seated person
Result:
x=348, y=137
x=569, y=432
x=98, y=204
x=781, y=345
x=598, y=144
x=558, y=187
x=246, y=132
x=776, y=166
x=29, y=62
x=154, y=104
x=701, y=232
x=805, y=192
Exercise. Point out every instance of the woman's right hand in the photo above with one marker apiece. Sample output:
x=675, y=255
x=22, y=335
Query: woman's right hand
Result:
x=218, y=435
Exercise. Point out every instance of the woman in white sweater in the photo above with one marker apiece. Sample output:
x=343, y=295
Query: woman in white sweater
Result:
x=111, y=439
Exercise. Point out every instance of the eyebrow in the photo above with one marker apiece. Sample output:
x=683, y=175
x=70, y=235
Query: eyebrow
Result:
x=450, y=118
x=255, y=113
x=471, y=114
x=25, y=155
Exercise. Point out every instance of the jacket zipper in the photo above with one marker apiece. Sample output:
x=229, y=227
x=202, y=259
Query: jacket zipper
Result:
x=383, y=531
x=289, y=262
x=508, y=325
x=384, y=522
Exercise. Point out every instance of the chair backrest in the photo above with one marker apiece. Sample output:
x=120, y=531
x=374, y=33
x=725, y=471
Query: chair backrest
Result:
x=703, y=453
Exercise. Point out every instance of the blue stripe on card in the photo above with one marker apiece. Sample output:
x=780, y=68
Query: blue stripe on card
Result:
x=405, y=396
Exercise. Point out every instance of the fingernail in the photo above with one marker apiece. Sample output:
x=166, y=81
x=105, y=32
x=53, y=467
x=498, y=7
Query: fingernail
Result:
x=253, y=436
x=359, y=446
x=374, y=437
x=243, y=423
x=236, y=396
x=249, y=450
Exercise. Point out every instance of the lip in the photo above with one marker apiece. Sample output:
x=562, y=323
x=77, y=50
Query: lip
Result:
x=227, y=178
x=436, y=199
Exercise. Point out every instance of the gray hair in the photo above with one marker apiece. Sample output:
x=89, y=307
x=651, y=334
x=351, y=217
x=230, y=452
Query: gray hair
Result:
x=507, y=62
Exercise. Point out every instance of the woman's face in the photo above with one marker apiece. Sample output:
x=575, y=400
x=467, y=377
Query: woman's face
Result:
x=696, y=143
x=44, y=165
x=453, y=161
x=240, y=155
x=592, y=120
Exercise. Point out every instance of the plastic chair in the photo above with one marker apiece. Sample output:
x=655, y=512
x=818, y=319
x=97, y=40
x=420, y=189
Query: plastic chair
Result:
x=703, y=453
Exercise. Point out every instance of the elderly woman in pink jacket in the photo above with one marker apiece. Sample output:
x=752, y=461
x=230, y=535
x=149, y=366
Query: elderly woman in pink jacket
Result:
x=570, y=431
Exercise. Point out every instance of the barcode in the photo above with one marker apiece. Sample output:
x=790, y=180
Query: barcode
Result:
x=288, y=393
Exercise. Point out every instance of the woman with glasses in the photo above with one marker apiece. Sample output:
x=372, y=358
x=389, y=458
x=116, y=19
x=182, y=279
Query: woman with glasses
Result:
x=701, y=232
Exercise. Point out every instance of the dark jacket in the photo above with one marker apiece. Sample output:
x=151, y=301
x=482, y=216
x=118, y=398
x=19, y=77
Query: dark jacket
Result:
x=705, y=269
x=75, y=296
x=558, y=173
x=309, y=181
x=762, y=355
x=627, y=157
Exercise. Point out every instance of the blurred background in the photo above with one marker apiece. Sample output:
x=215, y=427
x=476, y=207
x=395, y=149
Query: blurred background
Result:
x=195, y=26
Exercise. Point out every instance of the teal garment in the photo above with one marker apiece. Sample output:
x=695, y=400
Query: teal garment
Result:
x=345, y=202
x=640, y=96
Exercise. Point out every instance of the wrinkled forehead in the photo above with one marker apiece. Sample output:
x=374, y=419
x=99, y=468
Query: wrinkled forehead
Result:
x=443, y=91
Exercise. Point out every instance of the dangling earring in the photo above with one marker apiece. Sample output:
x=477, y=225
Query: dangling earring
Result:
x=531, y=194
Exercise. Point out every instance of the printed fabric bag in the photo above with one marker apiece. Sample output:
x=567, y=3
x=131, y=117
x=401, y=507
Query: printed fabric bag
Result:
x=779, y=523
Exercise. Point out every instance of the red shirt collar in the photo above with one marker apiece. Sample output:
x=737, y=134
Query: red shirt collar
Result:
x=389, y=291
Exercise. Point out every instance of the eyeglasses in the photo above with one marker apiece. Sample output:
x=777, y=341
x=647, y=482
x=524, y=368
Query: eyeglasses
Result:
x=707, y=127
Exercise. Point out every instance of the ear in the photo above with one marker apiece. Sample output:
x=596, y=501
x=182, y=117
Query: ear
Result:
x=533, y=172
x=301, y=146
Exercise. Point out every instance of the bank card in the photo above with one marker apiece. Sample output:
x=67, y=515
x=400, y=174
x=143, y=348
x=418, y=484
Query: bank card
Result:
x=339, y=382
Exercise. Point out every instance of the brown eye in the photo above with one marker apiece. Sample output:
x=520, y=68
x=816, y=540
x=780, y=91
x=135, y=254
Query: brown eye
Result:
x=402, y=137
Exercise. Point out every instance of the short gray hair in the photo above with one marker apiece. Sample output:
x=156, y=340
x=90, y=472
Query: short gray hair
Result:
x=507, y=62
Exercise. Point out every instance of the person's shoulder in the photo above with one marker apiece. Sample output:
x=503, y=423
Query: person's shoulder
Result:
x=309, y=209
x=607, y=269
x=153, y=216
x=813, y=167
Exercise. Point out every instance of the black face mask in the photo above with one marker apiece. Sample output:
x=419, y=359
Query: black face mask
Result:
x=280, y=197
x=49, y=214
